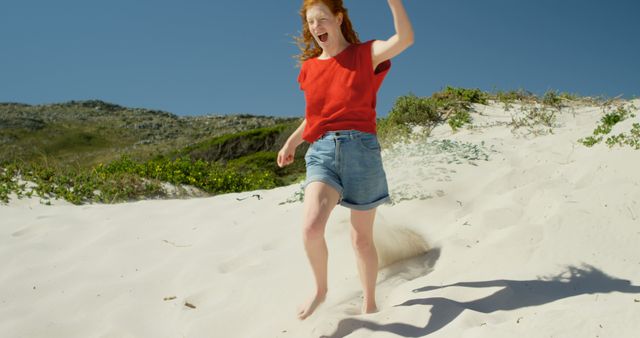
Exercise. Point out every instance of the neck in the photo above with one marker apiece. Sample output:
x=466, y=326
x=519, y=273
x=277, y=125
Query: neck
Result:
x=334, y=49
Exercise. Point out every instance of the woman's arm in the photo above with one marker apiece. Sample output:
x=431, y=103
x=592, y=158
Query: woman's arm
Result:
x=286, y=155
x=382, y=50
x=296, y=137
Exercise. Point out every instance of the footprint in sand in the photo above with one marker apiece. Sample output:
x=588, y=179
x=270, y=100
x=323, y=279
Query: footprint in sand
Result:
x=21, y=232
x=352, y=308
x=29, y=230
x=238, y=262
x=269, y=246
x=229, y=266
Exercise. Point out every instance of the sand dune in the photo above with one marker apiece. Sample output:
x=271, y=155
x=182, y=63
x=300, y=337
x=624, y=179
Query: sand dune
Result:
x=492, y=232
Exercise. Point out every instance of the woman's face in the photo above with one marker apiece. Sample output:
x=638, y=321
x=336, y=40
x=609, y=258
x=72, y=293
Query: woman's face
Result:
x=323, y=25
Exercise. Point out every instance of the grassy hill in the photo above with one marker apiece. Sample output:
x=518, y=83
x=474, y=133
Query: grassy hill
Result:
x=94, y=151
x=97, y=151
x=86, y=133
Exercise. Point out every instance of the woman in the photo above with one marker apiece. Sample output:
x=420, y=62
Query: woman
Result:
x=340, y=78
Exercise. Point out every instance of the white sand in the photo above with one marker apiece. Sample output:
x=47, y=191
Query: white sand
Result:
x=541, y=240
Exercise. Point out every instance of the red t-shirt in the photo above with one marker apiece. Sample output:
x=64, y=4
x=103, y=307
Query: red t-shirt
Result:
x=340, y=92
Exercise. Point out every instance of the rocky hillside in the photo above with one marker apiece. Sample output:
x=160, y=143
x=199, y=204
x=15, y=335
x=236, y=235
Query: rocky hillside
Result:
x=85, y=133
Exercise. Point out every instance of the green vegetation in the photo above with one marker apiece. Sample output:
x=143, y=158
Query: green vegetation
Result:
x=552, y=98
x=127, y=179
x=512, y=96
x=234, y=145
x=631, y=140
x=452, y=105
x=86, y=133
x=537, y=120
x=93, y=151
x=607, y=122
x=124, y=180
x=458, y=119
x=508, y=98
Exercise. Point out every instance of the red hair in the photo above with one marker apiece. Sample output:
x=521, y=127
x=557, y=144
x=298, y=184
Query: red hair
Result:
x=309, y=47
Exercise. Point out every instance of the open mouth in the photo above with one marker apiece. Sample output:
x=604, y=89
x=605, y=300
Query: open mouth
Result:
x=323, y=37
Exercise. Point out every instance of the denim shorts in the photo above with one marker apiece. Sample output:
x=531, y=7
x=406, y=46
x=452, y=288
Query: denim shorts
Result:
x=350, y=162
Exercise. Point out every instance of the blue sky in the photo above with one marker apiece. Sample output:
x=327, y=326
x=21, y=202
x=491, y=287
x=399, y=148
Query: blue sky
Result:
x=196, y=57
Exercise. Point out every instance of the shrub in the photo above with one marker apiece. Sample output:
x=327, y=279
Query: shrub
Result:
x=514, y=95
x=8, y=182
x=569, y=96
x=459, y=119
x=536, y=120
x=230, y=146
x=453, y=95
x=125, y=180
x=551, y=98
x=606, y=125
x=452, y=105
x=411, y=110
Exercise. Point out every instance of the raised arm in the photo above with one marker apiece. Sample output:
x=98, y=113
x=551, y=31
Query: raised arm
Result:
x=382, y=50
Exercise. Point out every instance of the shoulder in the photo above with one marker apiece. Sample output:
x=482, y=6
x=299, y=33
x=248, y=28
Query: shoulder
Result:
x=363, y=49
x=306, y=64
x=367, y=45
x=366, y=51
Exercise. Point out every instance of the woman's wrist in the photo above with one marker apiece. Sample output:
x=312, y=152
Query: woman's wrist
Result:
x=292, y=143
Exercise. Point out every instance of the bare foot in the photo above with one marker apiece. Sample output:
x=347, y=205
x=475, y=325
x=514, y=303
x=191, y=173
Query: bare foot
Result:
x=312, y=304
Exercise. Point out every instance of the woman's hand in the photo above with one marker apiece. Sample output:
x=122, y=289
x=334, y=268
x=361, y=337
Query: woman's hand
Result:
x=286, y=155
x=288, y=152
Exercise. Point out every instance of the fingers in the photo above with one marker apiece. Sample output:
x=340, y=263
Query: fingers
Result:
x=284, y=158
x=282, y=161
x=286, y=161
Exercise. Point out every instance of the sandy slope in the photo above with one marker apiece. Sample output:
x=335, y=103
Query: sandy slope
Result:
x=530, y=236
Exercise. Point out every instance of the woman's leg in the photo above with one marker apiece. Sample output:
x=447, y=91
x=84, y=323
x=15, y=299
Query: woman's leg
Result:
x=367, y=257
x=319, y=200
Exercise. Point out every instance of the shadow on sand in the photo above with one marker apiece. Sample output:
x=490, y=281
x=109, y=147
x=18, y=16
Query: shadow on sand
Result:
x=515, y=294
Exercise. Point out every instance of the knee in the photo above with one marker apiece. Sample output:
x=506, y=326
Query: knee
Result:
x=361, y=243
x=313, y=230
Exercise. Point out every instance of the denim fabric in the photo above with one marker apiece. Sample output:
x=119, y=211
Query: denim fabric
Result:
x=350, y=162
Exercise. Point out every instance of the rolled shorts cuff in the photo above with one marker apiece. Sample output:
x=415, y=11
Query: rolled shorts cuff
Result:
x=368, y=206
x=326, y=180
